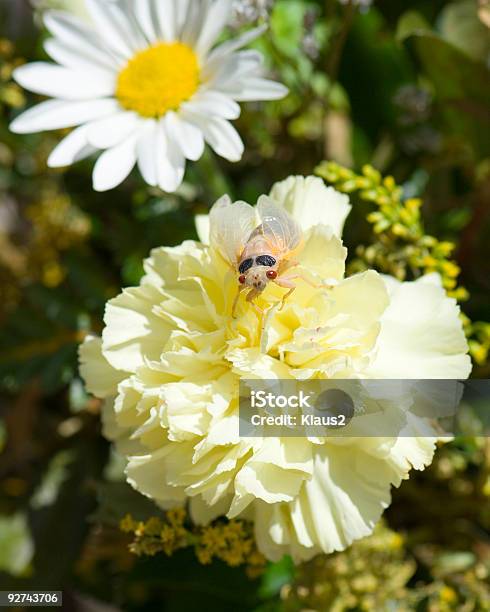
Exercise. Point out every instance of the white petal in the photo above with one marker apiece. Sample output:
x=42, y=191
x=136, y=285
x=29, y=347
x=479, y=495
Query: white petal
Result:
x=133, y=333
x=146, y=474
x=269, y=483
x=143, y=10
x=346, y=496
x=76, y=35
x=146, y=148
x=72, y=148
x=214, y=22
x=114, y=165
x=190, y=16
x=343, y=500
x=221, y=136
x=311, y=202
x=236, y=43
x=170, y=161
x=100, y=377
x=113, y=26
x=421, y=333
x=188, y=137
x=213, y=103
x=256, y=89
x=56, y=114
x=72, y=57
x=165, y=11
x=110, y=131
x=202, y=227
x=220, y=71
x=323, y=253
x=66, y=83
x=172, y=170
x=202, y=513
x=128, y=24
x=181, y=13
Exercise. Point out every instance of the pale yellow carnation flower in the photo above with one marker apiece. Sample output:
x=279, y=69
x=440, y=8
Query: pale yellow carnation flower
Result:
x=170, y=359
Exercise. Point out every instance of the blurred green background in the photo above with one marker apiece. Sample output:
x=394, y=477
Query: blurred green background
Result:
x=402, y=85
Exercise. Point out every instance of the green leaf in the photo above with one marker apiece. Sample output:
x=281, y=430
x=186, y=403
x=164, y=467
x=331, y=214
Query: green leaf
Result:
x=16, y=545
x=409, y=23
x=59, y=530
x=287, y=26
x=459, y=25
x=40, y=339
x=116, y=499
x=450, y=562
x=276, y=576
x=462, y=89
x=57, y=472
x=374, y=66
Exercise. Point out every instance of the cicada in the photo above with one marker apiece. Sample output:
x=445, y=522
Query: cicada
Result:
x=260, y=244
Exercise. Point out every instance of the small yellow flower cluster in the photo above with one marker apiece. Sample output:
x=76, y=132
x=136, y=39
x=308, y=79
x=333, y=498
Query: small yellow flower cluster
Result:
x=231, y=541
x=478, y=335
x=157, y=535
x=375, y=574
x=56, y=225
x=401, y=243
x=10, y=93
x=366, y=576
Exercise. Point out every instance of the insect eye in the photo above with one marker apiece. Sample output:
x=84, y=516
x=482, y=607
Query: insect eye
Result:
x=245, y=265
x=265, y=260
x=272, y=274
x=241, y=279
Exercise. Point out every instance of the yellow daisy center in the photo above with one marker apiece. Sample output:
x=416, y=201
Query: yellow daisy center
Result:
x=158, y=79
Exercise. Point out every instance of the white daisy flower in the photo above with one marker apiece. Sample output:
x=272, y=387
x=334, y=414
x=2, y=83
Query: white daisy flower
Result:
x=143, y=82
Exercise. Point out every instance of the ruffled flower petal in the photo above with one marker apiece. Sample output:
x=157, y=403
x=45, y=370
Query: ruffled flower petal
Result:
x=311, y=202
x=174, y=415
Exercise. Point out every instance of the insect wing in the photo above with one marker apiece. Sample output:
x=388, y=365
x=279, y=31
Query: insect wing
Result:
x=230, y=226
x=280, y=229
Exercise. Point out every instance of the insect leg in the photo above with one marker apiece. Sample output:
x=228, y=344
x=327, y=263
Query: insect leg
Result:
x=287, y=284
x=303, y=277
x=235, y=301
x=252, y=294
